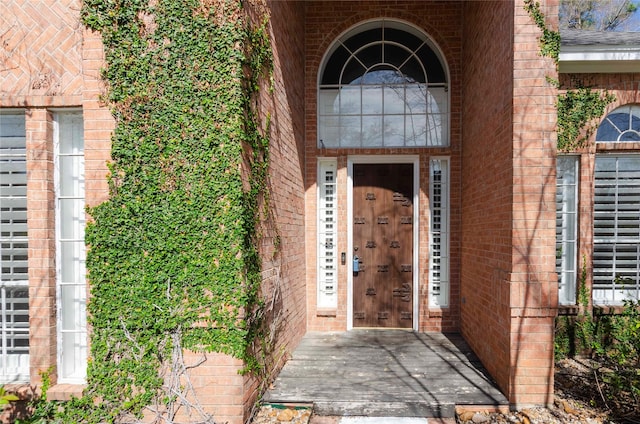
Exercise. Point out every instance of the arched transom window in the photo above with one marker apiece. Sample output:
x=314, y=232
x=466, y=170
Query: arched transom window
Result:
x=383, y=84
x=623, y=124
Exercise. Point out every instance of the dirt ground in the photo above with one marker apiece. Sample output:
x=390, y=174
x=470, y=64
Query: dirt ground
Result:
x=578, y=400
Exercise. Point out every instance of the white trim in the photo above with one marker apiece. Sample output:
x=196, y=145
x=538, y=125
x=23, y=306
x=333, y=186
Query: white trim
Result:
x=415, y=161
x=599, y=59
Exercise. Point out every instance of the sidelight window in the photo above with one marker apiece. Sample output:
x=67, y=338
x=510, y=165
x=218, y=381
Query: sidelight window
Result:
x=70, y=247
x=327, y=234
x=439, y=234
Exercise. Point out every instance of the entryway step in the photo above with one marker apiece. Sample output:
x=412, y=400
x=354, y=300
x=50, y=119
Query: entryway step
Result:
x=384, y=409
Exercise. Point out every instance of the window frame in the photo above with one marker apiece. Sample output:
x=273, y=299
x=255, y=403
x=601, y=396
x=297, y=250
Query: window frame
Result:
x=614, y=289
x=77, y=222
x=19, y=361
x=567, y=267
x=439, y=232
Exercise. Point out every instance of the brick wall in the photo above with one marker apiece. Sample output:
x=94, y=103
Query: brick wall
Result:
x=509, y=287
x=283, y=233
x=325, y=21
x=48, y=60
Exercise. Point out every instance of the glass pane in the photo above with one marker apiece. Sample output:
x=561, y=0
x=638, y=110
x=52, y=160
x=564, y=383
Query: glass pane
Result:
x=72, y=262
x=350, y=100
x=607, y=132
x=394, y=130
x=360, y=39
x=371, y=131
x=435, y=70
x=370, y=55
x=604, y=163
x=71, y=137
x=438, y=99
x=566, y=169
x=329, y=131
x=372, y=100
x=416, y=129
x=328, y=102
x=70, y=308
x=394, y=101
x=414, y=71
x=74, y=356
x=352, y=71
x=434, y=132
x=350, y=131
x=71, y=176
x=396, y=55
x=416, y=98
x=629, y=164
x=630, y=136
x=72, y=218
x=12, y=125
x=331, y=73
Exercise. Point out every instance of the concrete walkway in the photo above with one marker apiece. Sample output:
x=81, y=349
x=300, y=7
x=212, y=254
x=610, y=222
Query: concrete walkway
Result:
x=385, y=373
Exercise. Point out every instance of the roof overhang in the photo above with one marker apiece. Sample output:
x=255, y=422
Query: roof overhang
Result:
x=599, y=58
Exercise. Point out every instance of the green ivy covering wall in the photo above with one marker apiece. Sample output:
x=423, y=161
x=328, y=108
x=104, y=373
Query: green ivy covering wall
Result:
x=577, y=108
x=172, y=258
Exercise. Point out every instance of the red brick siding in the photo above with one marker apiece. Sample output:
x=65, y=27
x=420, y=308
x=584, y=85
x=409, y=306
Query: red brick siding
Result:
x=509, y=287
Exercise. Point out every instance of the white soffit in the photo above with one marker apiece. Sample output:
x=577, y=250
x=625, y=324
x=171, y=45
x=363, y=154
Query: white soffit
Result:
x=583, y=51
x=599, y=59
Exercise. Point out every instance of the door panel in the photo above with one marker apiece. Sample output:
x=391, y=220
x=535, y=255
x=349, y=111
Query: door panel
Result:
x=383, y=244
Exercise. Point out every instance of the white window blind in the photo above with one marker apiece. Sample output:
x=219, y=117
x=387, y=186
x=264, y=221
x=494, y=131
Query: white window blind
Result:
x=616, y=255
x=439, y=234
x=70, y=216
x=327, y=235
x=566, y=227
x=14, y=278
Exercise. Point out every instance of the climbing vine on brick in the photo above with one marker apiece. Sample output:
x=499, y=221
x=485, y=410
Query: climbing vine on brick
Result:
x=172, y=254
x=577, y=108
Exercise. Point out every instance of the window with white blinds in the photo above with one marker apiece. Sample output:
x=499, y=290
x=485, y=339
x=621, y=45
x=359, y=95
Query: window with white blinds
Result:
x=70, y=247
x=566, y=227
x=327, y=234
x=439, y=233
x=616, y=255
x=14, y=278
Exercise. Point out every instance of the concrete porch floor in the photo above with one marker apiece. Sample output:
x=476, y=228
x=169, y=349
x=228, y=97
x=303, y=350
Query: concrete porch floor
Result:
x=385, y=373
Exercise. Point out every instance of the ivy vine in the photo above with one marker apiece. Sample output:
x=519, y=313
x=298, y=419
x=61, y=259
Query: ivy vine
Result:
x=577, y=108
x=577, y=111
x=550, y=40
x=173, y=260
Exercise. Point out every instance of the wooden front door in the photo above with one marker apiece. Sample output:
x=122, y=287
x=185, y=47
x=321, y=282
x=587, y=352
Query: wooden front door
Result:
x=383, y=245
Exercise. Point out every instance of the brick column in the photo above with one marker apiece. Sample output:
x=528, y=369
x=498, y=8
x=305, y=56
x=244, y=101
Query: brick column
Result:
x=41, y=229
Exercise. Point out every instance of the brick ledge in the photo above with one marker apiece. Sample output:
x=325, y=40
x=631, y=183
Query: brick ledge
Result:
x=65, y=391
